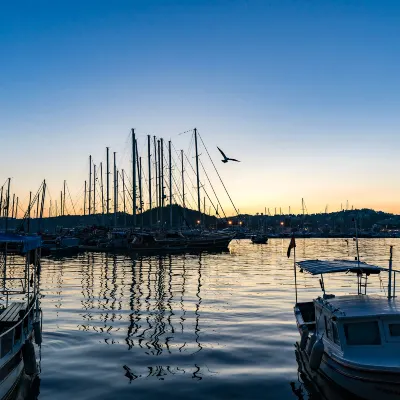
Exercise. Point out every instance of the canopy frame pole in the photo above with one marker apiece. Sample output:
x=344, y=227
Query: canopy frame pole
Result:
x=390, y=273
x=295, y=272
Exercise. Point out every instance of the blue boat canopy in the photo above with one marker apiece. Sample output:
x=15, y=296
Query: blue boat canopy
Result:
x=317, y=267
x=27, y=242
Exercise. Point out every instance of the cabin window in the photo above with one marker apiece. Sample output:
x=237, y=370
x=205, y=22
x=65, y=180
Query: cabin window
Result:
x=335, y=333
x=394, y=330
x=362, y=333
x=328, y=328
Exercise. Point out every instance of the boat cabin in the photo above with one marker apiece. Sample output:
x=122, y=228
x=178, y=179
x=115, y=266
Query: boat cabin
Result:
x=351, y=324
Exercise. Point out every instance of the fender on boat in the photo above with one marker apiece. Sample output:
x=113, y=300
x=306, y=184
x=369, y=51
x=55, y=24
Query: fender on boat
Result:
x=38, y=332
x=316, y=354
x=311, y=343
x=28, y=354
x=304, y=336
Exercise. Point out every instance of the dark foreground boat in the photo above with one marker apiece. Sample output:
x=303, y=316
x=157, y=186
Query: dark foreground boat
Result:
x=20, y=315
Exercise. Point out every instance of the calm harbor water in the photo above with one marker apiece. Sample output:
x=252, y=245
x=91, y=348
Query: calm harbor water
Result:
x=184, y=326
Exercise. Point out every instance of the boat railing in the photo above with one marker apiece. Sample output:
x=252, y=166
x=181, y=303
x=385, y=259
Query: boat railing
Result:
x=15, y=333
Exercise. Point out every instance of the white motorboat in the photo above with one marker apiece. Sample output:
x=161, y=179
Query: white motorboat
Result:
x=352, y=340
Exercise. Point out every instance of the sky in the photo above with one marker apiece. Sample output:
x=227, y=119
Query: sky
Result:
x=304, y=93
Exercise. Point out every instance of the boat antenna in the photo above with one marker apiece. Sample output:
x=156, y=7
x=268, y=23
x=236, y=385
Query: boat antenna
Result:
x=357, y=249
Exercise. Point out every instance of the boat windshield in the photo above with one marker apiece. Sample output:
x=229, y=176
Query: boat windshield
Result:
x=362, y=333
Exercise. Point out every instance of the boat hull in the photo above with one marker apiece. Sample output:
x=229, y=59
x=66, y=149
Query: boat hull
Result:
x=166, y=247
x=369, y=385
x=9, y=384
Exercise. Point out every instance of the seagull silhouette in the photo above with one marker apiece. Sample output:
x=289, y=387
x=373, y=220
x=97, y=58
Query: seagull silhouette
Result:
x=226, y=159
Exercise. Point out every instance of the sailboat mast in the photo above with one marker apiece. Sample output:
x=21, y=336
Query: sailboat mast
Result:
x=149, y=167
x=140, y=192
x=90, y=185
x=161, y=177
x=84, y=202
x=94, y=189
x=162, y=173
x=134, y=177
x=156, y=171
x=8, y=202
x=115, y=190
x=61, y=205
x=16, y=209
x=123, y=195
x=29, y=212
x=183, y=187
x=37, y=208
x=170, y=184
x=102, y=189
x=108, y=181
x=1, y=202
x=42, y=205
x=12, y=207
x=197, y=173
x=204, y=211
x=63, y=199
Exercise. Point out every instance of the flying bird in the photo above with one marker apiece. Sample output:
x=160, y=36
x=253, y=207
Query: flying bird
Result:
x=226, y=159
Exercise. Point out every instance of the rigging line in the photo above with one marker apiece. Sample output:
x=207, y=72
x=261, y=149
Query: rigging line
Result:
x=79, y=197
x=167, y=185
x=216, y=210
x=125, y=151
x=121, y=194
x=177, y=186
x=204, y=211
x=2, y=186
x=189, y=149
x=73, y=207
x=36, y=198
x=190, y=179
x=189, y=130
x=191, y=144
x=174, y=178
x=127, y=190
x=219, y=176
x=22, y=203
x=212, y=187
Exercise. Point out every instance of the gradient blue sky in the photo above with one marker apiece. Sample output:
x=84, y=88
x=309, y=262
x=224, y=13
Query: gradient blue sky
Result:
x=306, y=93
